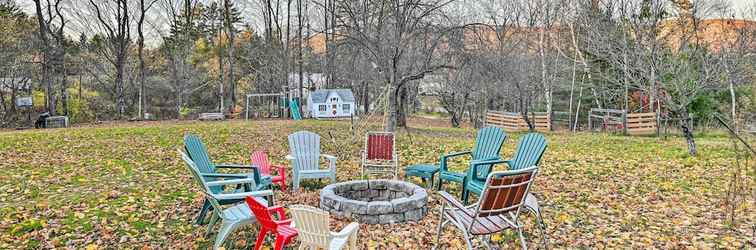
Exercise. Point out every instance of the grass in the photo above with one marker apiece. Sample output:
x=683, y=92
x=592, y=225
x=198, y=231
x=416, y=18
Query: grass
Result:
x=123, y=186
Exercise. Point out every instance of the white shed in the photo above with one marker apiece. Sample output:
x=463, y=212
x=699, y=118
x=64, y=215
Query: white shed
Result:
x=331, y=103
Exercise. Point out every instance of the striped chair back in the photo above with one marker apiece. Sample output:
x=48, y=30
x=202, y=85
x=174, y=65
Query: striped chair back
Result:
x=198, y=153
x=529, y=152
x=504, y=193
x=312, y=224
x=260, y=160
x=261, y=213
x=380, y=146
x=305, y=147
x=488, y=145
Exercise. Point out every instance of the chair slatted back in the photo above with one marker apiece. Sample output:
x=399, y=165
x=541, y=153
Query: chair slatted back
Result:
x=505, y=192
x=197, y=177
x=198, y=153
x=260, y=160
x=261, y=213
x=305, y=147
x=380, y=146
x=529, y=152
x=488, y=145
x=312, y=224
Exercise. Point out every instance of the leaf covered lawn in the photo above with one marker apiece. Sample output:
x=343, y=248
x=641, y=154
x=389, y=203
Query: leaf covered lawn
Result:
x=123, y=186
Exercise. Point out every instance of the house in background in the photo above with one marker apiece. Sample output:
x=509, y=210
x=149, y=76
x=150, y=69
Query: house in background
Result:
x=331, y=103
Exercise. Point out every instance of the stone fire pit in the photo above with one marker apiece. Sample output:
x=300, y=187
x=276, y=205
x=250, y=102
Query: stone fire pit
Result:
x=383, y=202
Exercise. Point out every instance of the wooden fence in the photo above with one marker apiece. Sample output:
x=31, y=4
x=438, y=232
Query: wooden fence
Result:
x=641, y=124
x=514, y=122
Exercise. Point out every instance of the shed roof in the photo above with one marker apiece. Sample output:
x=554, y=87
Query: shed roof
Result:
x=319, y=96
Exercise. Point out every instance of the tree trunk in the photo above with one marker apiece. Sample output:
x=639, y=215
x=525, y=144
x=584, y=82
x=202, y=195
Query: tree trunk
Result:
x=686, y=125
x=366, y=98
x=402, y=102
x=231, y=58
x=46, y=79
x=389, y=124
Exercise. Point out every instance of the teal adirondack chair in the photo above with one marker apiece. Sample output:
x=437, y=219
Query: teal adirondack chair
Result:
x=198, y=153
x=488, y=144
x=529, y=152
x=236, y=214
x=304, y=155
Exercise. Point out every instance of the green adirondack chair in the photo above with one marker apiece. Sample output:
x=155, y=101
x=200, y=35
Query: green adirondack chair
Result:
x=529, y=152
x=198, y=153
x=236, y=213
x=488, y=144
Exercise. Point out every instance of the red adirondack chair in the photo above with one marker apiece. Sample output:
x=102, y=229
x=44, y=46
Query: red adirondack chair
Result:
x=379, y=155
x=281, y=227
x=260, y=159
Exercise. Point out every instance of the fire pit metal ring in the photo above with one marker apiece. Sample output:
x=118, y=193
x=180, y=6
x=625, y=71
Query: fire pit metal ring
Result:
x=376, y=202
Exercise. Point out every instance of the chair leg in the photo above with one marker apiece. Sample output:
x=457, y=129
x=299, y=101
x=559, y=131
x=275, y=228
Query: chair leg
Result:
x=281, y=241
x=465, y=196
x=440, y=181
x=440, y=224
x=468, y=240
x=203, y=212
x=210, y=225
x=522, y=238
x=295, y=185
x=223, y=233
x=261, y=238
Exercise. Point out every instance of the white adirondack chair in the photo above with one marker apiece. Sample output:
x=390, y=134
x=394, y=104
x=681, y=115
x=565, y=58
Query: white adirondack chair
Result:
x=312, y=224
x=233, y=215
x=304, y=155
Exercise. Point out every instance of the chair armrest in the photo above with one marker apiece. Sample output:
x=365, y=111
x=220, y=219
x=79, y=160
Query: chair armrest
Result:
x=442, y=162
x=328, y=157
x=290, y=157
x=347, y=230
x=220, y=175
x=455, y=154
x=279, y=210
x=453, y=202
x=286, y=222
x=331, y=161
x=281, y=169
x=235, y=196
x=231, y=182
x=235, y=166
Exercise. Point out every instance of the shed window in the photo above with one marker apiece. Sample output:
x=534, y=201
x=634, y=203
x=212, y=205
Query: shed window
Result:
x=345, y=107
x=321, y=108
x=335, y=99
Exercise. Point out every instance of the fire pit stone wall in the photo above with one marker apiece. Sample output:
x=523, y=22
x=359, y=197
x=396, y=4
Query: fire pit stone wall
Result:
x=379, y=202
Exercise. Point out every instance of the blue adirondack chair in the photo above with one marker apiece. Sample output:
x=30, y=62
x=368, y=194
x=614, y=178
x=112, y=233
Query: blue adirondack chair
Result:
x=304, y=155
x=488, y=144
x=234, y=215
x=198, y=153
x=529, y=152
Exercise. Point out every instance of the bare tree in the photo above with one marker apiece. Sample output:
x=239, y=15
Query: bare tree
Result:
x=400, y=38
x=51, y=23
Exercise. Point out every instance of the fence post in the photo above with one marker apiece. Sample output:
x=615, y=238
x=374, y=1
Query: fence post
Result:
x=624, y=121
x=246, y=109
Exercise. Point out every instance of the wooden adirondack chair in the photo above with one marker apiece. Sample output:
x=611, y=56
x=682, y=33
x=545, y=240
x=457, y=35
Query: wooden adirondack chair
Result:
x=498, y=209
x=281, y=227
x=260, y=159
x=487, y=147
x=312, y=224
x=198, y=153
x=379, y=155
x=234, y=215
x=304, y=149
